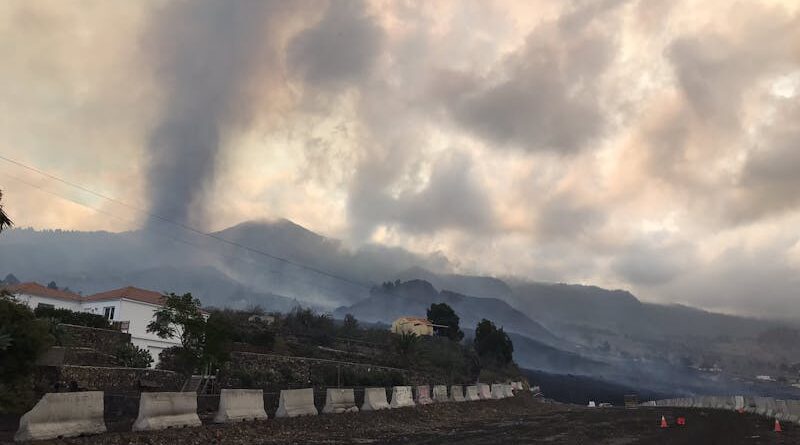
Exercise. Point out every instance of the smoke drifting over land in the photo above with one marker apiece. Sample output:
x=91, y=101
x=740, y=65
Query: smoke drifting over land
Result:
x=630, y=144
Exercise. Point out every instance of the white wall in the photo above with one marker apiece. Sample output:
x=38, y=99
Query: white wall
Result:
x=33, y=300
x=140, y=314
x=97, y=307
x=153, y=346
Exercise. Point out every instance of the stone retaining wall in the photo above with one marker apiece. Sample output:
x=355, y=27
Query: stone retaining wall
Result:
x=274, y=372
x=104, y=340
x=91, y=378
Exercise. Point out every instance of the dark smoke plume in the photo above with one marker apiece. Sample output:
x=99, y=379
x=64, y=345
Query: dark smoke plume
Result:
x=205, y=54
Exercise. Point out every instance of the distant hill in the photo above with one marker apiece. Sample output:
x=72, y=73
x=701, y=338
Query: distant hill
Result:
x=413, y=298
x=581, y=329
x=173, y=260
x=464, y=284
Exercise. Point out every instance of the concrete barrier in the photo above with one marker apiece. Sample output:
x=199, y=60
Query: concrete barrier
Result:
x=765, y=406
x=749, y=404
x=160, y=410
x=401, y=397
x=423, y=395
x=738, y=403
x=729, y=403
x=296, y=402
x=238, y=405
x=457, y=393
x=484, y=391
x=440, y=393
x=781, y=410
x=374, y=399
x=794, y=410
x=339, y=401
x=498, y=391
x=63, y=415
x=472, y=394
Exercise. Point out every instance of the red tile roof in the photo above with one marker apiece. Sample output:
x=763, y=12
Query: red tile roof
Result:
x=130, y=293
x=43, y=291
x=415, y=320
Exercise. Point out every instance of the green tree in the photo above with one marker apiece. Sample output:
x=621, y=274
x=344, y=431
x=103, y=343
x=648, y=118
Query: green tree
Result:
x=349, y=325
x=493, y=345
x=181, y=317
x=204, y=340
x=442, y=314
x=5, y=221
x=132, y=356
x=217, y=339
x=28, y=337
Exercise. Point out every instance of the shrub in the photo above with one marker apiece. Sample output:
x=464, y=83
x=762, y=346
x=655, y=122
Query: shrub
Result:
x=181, y=360
x=132, y=356
x=28, y=337
x=67, y=316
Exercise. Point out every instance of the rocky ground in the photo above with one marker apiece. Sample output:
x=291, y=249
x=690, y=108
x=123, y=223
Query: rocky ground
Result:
x=518, y=420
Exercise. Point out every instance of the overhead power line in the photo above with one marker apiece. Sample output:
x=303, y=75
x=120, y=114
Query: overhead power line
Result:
x=180, y=224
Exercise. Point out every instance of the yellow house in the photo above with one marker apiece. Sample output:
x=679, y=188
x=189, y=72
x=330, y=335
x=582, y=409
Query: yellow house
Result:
x=413, y=325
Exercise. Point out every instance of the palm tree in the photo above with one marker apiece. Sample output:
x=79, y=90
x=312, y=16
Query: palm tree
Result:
x=5, y=221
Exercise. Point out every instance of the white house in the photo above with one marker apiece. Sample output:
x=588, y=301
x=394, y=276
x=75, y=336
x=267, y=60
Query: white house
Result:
x=136, y=307
x=35, y=295
x=131, y=307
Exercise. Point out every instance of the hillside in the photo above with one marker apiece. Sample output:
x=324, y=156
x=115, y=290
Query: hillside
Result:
x=415, y=297
x=215, y=271
x=586, y=324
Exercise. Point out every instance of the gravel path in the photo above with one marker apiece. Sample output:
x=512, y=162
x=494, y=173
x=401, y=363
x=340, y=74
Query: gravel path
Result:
x=511, y=421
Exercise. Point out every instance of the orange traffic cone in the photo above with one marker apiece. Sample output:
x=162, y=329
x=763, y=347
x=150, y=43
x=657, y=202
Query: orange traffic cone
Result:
x=777, y=426
x=664, y=422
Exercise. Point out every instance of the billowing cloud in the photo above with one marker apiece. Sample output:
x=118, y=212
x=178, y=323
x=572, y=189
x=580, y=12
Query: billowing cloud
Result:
x=450, y=199
x=769, y=180
x=543, y=96
x=340, y=49
x=618, y=143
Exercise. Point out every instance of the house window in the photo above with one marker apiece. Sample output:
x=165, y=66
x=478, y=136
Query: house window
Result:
x=108, y=312
x=45, y=306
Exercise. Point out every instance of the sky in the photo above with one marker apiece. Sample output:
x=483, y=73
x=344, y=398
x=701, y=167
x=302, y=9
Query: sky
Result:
x=647, y=145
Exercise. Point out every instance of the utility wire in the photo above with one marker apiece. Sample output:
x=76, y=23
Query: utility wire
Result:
x=185, y=226
x=243, y=259
x=119, y=218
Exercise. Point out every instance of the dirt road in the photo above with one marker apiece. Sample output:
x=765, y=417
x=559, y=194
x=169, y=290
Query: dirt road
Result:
x=520, y=420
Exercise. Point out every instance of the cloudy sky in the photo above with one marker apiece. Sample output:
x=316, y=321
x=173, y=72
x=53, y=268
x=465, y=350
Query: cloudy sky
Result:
x=652, y=145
